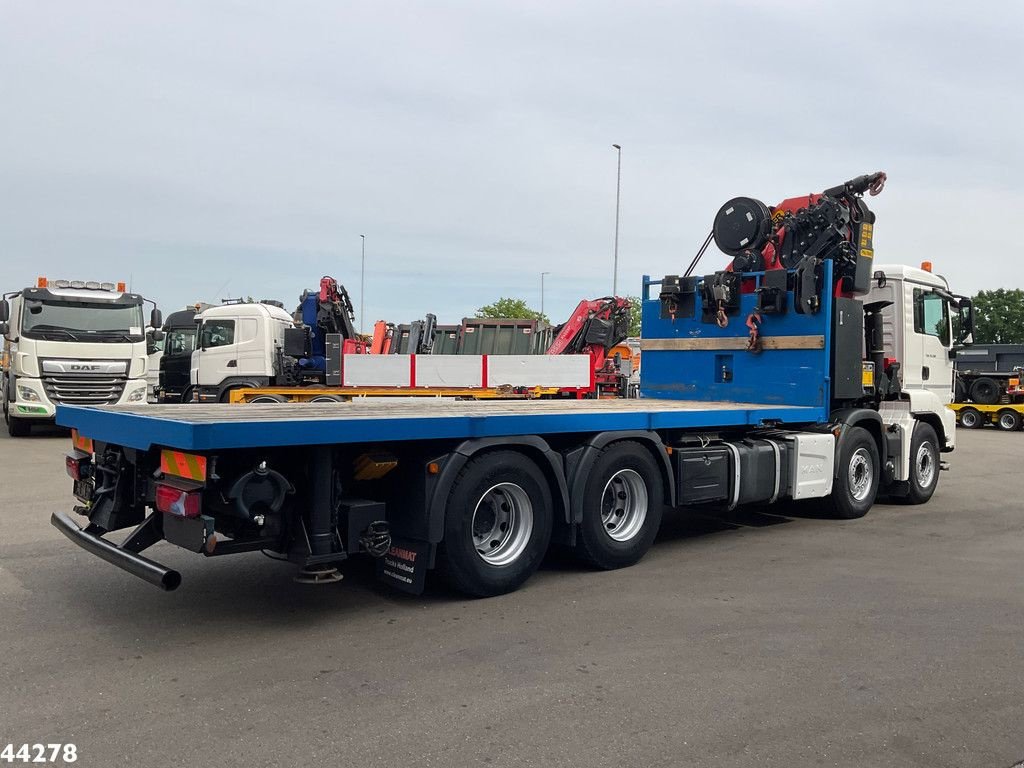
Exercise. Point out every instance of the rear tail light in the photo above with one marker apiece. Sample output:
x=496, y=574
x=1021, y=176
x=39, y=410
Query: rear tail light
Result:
x=78, y=465
x=175, y=501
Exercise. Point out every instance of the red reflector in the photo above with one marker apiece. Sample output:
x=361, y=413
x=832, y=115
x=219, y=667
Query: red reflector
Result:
x=174, y=501
x=78, y=465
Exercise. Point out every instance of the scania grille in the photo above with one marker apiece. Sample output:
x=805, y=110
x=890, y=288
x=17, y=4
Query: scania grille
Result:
x=83, y=388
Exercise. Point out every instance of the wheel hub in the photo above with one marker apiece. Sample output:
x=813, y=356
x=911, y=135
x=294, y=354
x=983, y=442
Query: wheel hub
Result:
x=502, y=524
x=624, y=505
x=860, y=475
x=924, y=463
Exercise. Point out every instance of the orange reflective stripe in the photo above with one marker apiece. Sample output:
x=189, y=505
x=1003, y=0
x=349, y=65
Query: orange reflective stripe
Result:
x=186, y=465
x=81, y=443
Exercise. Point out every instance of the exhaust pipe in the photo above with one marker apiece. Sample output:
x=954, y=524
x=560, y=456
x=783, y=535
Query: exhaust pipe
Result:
x=137, y=565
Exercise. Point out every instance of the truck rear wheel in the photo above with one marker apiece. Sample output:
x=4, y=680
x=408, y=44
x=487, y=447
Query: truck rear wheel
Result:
x=924, y=464
x=1008, y=420
x=497, y=524
x=268, y=399
x=855, y=489
x=622, y=507
x=970, y=418
x=985, y=391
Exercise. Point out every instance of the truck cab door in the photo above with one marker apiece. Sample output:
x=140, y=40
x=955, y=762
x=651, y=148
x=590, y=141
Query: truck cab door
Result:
x=216, y=357
x=251, y=339
x=928, y=365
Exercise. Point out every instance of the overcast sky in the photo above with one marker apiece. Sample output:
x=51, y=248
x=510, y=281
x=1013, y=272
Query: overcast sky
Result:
x=210, y=149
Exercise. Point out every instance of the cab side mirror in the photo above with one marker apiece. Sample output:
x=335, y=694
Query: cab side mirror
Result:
x=156, y=319
x=965, y=317
x=4, y=328
x=5, y=311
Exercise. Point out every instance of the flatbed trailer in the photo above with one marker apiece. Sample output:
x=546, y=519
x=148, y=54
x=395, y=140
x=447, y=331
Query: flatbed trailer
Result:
x=1006, y=416
x=480, y=489
x=786, y=384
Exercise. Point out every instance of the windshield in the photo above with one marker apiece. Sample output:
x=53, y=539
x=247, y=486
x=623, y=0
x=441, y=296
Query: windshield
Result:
x=78, y=320
x=180, y=341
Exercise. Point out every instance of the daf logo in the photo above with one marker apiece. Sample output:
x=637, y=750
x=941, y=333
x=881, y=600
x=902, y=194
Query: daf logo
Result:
x=81, y=367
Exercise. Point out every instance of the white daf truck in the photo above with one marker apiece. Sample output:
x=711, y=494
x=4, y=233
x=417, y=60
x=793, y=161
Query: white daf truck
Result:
x=71, y=342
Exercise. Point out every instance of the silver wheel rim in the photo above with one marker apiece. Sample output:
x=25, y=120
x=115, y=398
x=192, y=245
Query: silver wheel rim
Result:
x=624, y=505
x=502, y=524
x=860, y=474
x=323, y=399
x=924, y=464
x=264, y=399
x=1008, y=421
x=968, y=419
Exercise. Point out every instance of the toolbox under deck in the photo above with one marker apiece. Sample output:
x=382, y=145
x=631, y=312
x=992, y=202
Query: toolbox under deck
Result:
x=220, y=426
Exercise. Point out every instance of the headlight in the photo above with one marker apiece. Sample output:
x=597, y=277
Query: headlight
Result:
x=137, y=395
x=27, y=394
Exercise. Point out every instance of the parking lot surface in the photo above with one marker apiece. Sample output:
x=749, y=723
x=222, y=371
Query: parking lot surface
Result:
x=750, y=640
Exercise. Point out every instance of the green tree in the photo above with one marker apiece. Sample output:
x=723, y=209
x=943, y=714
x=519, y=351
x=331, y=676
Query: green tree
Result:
x=634, y=316
x=514, y=308
x=999, y=316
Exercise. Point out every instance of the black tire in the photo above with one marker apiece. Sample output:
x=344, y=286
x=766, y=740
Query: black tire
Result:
x=959, y=390
x=1008, y=420
x=924, y=464
x=985, y=391
x=18, y=427
x=15, y=427
x=855, y=489
x=186, y=396
x=326, y=399
x=267, y=399
x=622, y=507
x=502, y=484
x=970, y=418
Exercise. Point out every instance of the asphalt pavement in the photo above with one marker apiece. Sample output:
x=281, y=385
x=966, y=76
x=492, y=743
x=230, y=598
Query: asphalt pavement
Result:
x=753, y=640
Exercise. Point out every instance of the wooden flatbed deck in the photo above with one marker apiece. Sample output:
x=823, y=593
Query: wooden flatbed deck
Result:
x=222, y=426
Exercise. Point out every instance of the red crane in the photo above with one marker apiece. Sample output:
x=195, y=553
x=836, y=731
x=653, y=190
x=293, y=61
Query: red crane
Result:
x=594, y=328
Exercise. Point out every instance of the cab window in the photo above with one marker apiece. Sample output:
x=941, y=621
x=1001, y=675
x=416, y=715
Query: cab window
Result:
x=931, y=315
x=218, y=333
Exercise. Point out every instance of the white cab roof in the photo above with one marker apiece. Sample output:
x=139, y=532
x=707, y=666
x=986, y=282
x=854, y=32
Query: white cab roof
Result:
x=246, y=310
x=913, y=274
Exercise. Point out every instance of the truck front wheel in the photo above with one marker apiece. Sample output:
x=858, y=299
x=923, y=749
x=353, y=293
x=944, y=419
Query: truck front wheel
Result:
x=15, y=427
x=622, y=507
x=924, y=464
x=855, y=488
x=497, y=524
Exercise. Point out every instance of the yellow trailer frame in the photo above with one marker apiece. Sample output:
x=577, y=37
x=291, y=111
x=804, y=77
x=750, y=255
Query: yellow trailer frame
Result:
x=322, y=394
x=1006, y=416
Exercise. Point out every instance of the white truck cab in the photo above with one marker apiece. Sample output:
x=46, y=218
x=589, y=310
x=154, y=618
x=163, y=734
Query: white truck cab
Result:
x=237, y=347
x=71, y=342
x=918, y=332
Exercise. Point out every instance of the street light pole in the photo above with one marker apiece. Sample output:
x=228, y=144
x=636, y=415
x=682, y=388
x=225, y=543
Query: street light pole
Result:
x=542, y=291
x=618, y=190
x=362, y=283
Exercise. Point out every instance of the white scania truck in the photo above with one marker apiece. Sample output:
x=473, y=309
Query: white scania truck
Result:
x=72, y=342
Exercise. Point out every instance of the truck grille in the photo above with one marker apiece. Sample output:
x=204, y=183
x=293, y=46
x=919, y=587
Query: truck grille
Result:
x=84, y=388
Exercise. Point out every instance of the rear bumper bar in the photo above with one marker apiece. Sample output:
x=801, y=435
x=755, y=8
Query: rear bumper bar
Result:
x=135, y=564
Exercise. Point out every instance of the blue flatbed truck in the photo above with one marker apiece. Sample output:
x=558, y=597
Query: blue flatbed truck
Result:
x=757, y=387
